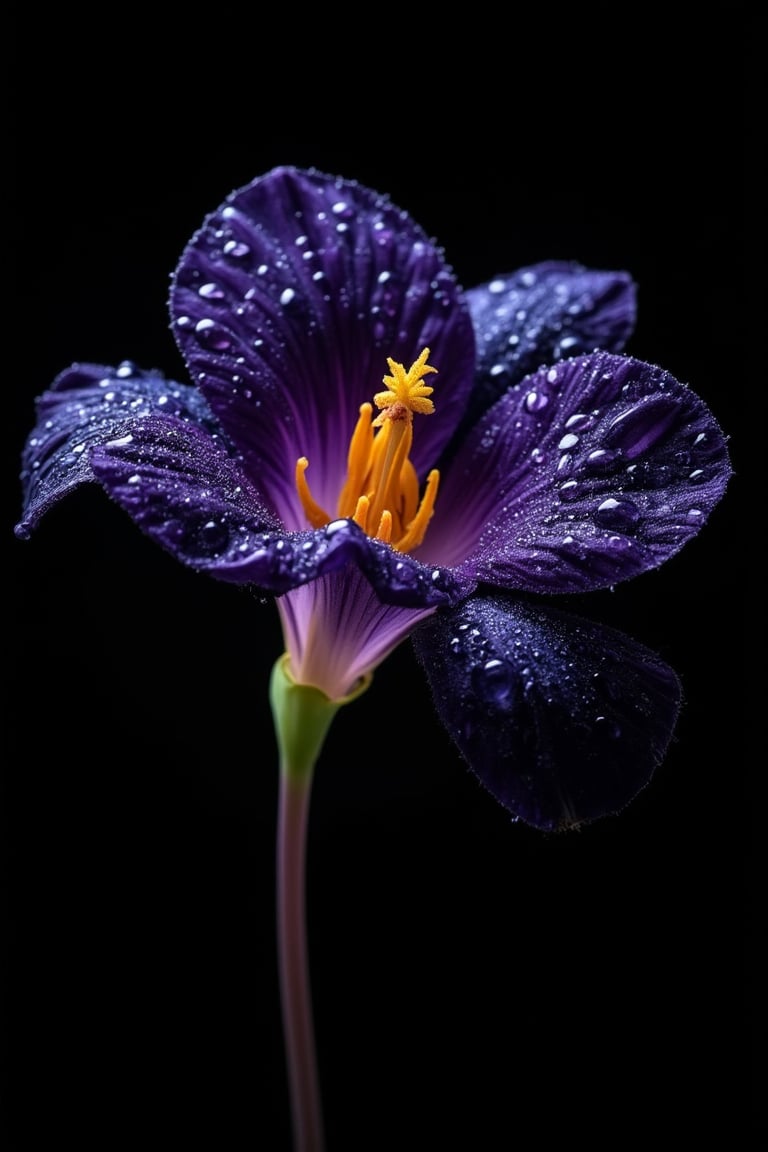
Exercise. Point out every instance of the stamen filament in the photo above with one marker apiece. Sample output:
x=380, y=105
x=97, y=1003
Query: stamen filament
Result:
x=361, y=512
x=358, y=460
x=316, y=515
x=384, y=532
x=418, y=526
x=396, y=438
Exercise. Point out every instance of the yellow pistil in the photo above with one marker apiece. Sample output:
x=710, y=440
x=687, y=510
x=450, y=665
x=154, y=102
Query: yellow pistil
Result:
x=381, y=492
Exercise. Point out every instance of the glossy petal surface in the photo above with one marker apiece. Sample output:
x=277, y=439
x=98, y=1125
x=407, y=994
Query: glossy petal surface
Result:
x=286, y=305
x=87, y=405
x=541, y=314
x=183, y=490
x=562, y=720
x=181, y=487
x=593, y=471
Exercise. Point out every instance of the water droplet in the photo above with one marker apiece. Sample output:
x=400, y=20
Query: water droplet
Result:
x=618, y=513
x=496, y=286
x=213, y=536
x=694, y=515
x=643, y=425
x=236, y=249
x=606, y=728
x=286, y=296
x=600, y=459
x=578, y=420
x=569, y=490
x=210, y=335
x=493, y=682
x=210, y=292
x=536, y=401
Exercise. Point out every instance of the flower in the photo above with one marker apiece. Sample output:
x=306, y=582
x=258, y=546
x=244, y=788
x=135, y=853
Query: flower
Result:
x=503, y=463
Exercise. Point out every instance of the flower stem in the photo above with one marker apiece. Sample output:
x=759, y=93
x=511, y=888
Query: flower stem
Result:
x=298, y=1029
x=302, y=716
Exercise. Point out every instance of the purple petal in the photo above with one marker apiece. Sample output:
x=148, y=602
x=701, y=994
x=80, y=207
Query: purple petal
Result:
x=278, y=562
x=286, y=305
x=89, y=404
x=185, y=492
x=563, y=720
x=542, y=314
x=593, y=471
x=180, y=486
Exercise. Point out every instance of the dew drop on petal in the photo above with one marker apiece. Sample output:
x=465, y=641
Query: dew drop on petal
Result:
x=210, y=335
x=600, y=458
x=536, y=401
x=618, y=513
x=493, y=681
x=578, y=420
x=236, y=249
x=210, y=292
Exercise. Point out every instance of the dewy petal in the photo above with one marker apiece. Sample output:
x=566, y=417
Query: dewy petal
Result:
x=563, y=720
x=89, y=404
x=286, y=305
x=279, y=562
x=593, y=471
x=181, y=487
x=541, y=314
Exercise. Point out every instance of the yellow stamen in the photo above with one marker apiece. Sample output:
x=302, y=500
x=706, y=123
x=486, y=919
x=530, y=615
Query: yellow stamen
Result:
x=384, y=532
x=418, y=526
x=314, y=513
x=357, y=460
x=382, y=489
x=361, y=513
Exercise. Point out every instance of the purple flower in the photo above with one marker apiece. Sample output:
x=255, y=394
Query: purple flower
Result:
x=386, y=454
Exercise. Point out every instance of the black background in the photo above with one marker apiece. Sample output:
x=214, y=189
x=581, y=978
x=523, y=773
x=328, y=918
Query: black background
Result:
x=476, y=984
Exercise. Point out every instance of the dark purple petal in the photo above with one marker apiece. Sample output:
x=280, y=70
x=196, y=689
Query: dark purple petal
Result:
x=593, y=471
x=89, y=404
x=563, y=720
x=277, y=562
x=185, y=492
x=286, y=305
x=178, y=483
x=541, y=314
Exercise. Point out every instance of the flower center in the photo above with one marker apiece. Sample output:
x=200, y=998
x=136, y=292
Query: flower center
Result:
x=381, y=492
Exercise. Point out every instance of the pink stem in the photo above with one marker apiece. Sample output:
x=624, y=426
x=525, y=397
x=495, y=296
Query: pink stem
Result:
x=298, y=1030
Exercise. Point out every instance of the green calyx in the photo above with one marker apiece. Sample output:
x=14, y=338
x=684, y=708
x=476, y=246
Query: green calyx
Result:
x=302, y=716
